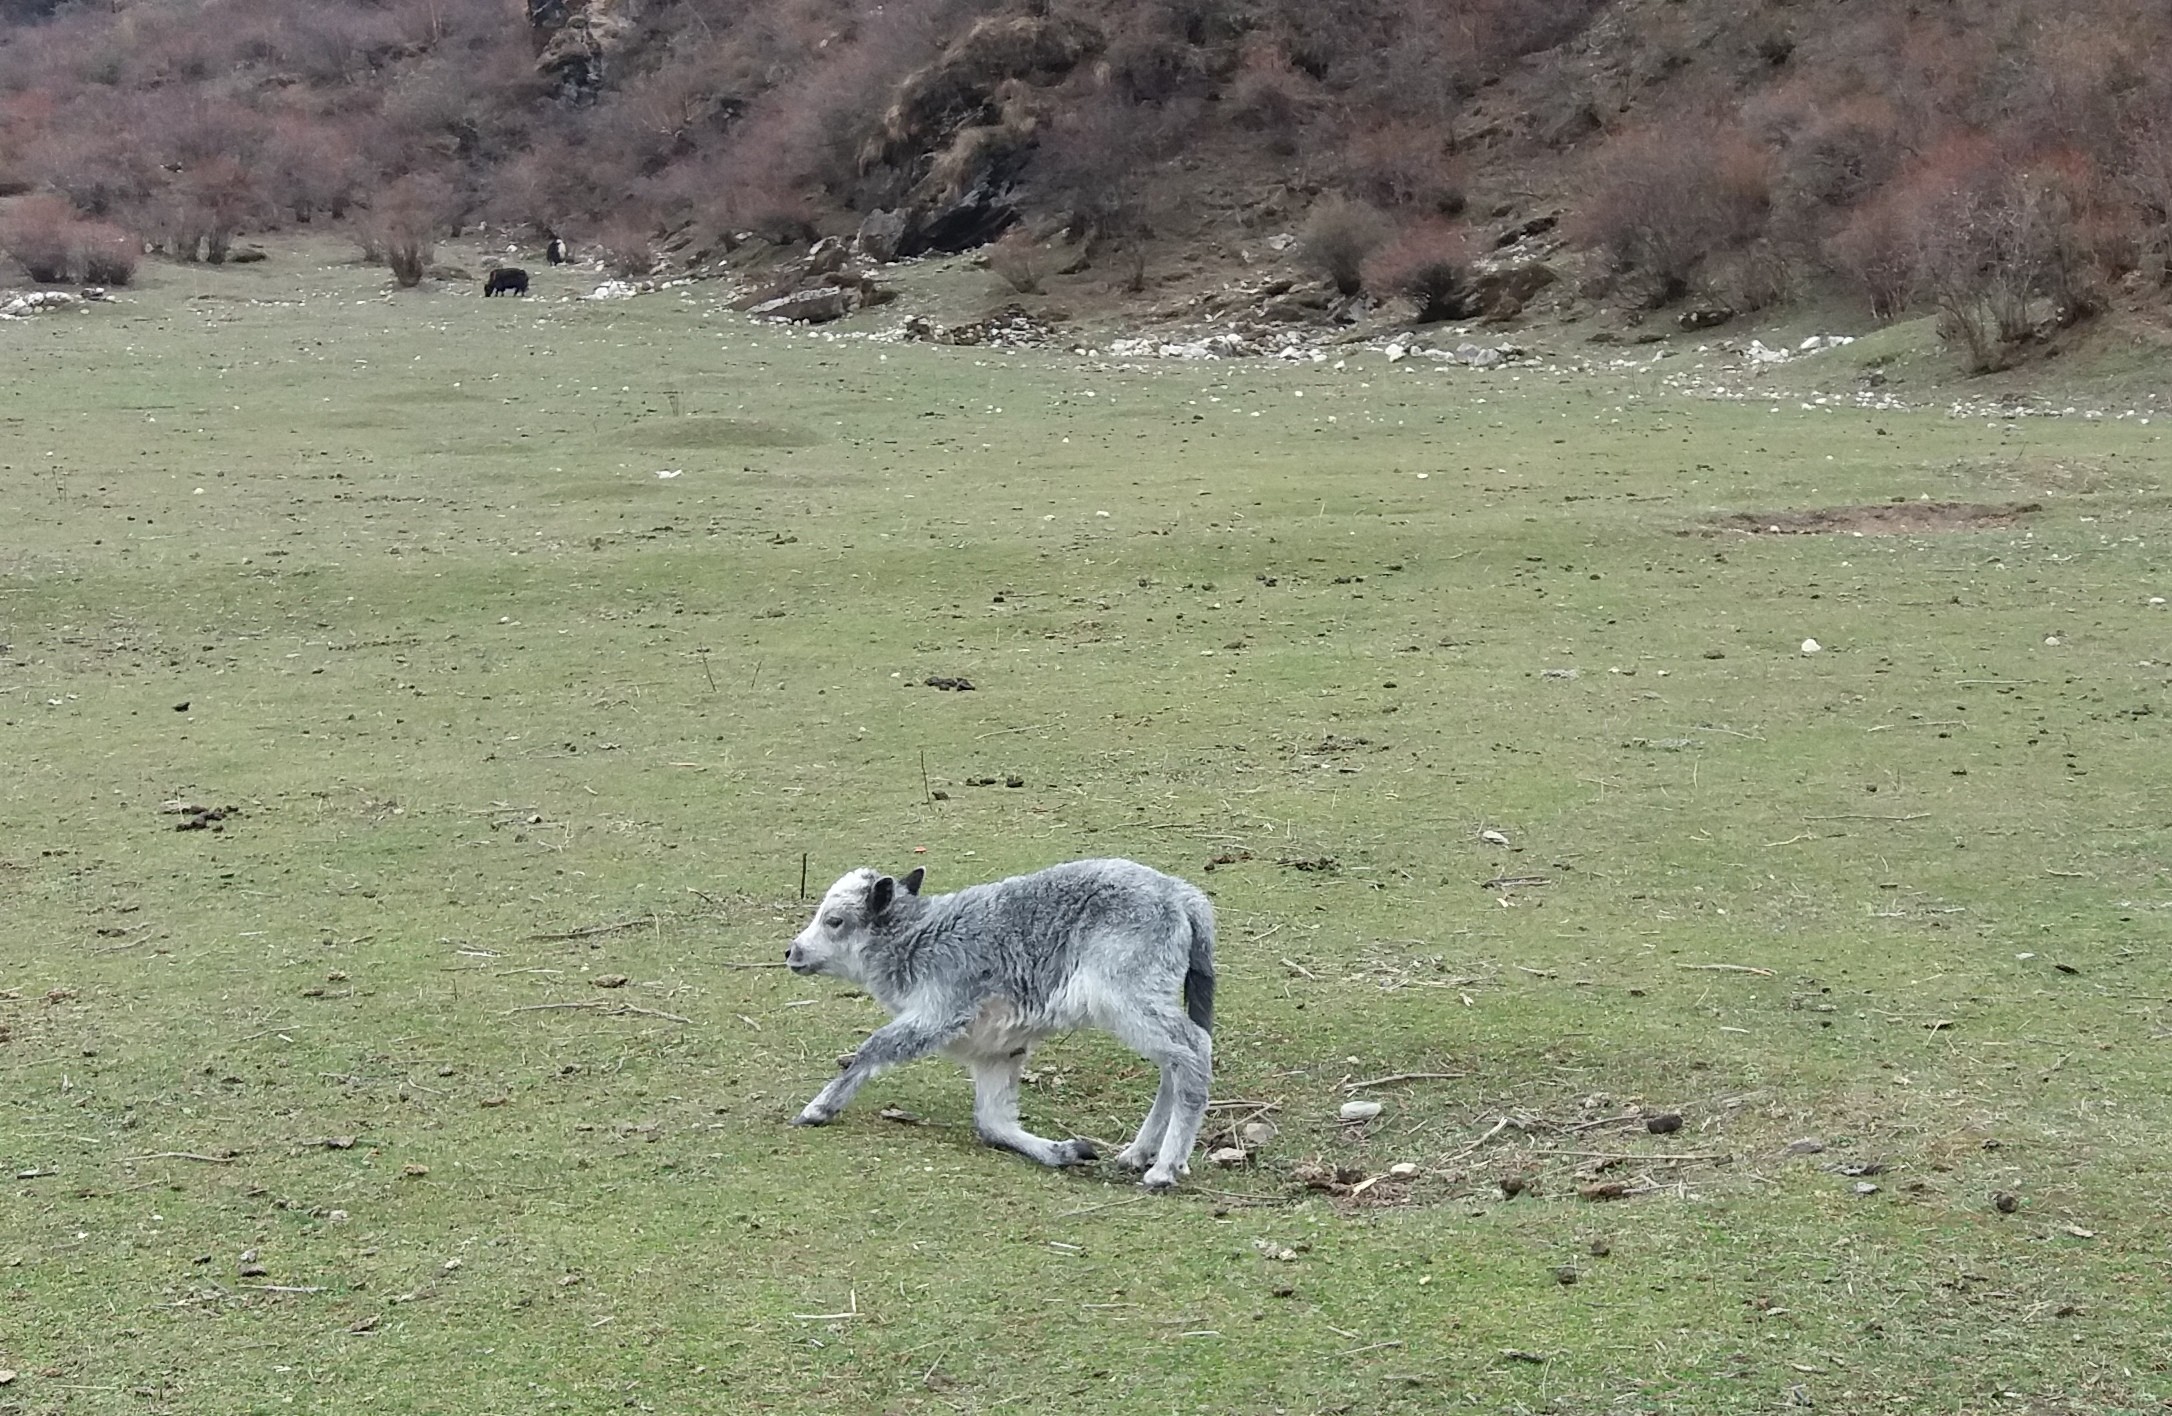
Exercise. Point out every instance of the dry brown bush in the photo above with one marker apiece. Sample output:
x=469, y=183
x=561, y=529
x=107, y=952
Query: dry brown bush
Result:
x=2003, y=248
x=624, y=246
x=39, y=233
x=1429, y=263
x=403, y=222
x=105, y=254
x=1270, y=97
x=1019, y=261
x=1337, y=238
x=1407, y=165
x=1665, y=200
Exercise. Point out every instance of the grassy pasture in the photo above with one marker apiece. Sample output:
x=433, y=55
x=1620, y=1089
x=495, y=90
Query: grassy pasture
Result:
x=503, y=712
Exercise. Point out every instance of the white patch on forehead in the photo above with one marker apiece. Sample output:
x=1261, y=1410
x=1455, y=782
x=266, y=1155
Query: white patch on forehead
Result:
x=850, y=889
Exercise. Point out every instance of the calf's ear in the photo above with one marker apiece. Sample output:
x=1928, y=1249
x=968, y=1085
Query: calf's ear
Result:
x=913, y=878
x=879, y=894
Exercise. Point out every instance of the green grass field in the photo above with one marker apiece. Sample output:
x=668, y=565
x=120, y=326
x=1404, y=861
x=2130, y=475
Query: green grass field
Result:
x=334, y=1107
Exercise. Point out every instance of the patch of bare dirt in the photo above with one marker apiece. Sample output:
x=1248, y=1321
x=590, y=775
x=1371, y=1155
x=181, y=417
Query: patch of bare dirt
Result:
x=1890, y=519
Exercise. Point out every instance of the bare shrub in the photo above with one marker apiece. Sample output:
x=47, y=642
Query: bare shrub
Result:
x=105, y=254
x=1270, y=97
x=1404, y=164
x=1666, y=200
x=1019, y=261
x=1430, y=264
x=1876, y=250
x=39, y=232
x=623, y=245
x=1338, y=236
x=403, y=224
x=2001, y=249
x=1095, y=163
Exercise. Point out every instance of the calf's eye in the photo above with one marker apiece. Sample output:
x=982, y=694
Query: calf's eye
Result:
x=835, y=921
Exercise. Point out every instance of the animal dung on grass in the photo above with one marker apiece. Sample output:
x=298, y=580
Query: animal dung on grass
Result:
x=984, y=974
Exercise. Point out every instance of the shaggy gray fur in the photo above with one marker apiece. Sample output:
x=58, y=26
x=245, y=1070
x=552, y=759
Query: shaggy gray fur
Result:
x=986, y=973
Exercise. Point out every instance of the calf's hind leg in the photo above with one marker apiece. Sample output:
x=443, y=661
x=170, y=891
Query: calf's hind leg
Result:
x=995, y=1114
x=1146, y=1145
x=1185, y=1053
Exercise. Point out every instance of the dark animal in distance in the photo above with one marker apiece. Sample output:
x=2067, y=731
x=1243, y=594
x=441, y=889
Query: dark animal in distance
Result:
x=984, y=974
x=510, y=280
x=555, y=252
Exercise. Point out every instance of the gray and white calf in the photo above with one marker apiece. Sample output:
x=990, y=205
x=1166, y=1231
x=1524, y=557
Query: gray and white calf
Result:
x=986, y=973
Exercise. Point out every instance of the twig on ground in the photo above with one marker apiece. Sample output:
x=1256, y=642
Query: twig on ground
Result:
x=1371, y=1347
x=1871, y=816
x=610, y=1010
x=1618, y=1156
x=1294, y=967
x=1404, y=1077
x=1109, y=1204
x=181, y=1155
x=1727, y=968
x=593, y=929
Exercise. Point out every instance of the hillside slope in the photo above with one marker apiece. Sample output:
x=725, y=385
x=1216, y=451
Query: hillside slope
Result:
x=2008, y=167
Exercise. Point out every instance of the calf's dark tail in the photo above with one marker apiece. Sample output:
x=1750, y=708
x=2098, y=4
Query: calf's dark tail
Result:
x=1199, y=971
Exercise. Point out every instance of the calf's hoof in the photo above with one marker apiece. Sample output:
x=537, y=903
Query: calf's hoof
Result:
x=1128, y=1159
x=1076, y=1151
x=1158, y=1180
x=812, y=1117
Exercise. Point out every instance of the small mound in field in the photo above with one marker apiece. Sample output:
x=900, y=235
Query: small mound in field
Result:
x=1891, y=519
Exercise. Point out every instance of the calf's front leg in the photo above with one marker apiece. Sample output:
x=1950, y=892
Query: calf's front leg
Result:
x=899, y=1040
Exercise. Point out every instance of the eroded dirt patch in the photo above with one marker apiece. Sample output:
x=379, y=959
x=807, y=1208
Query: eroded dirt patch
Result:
x=1890, y=519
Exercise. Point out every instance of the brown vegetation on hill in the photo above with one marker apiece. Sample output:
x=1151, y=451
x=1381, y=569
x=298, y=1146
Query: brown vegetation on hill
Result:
x=2004, y=164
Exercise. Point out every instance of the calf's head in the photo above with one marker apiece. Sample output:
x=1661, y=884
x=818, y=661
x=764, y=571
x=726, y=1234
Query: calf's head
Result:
x=849, y=913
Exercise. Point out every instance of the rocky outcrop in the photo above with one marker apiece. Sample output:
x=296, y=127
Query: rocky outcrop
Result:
x=962, y=128
x=577, y=39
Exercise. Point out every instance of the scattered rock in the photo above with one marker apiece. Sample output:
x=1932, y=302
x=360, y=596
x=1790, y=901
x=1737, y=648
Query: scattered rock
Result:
x=1811, y=646
x=1229, y=1157
x=1566, y=1275
x=1275, y=1253
x=1360, y=1111
x=1664, y=1124
x=1865, y=1187
x=37, y=302
x=1600, y=1248
x=413, y=1171
x=608, y=981
x=2005, y=1201
x=1604, y=1190
x=1493, y=838
x=1258, y=1133
x=1808, y=1145
x=1403, y=1170
x=948, y=684
x=1514, y=1185
x=1704, y=317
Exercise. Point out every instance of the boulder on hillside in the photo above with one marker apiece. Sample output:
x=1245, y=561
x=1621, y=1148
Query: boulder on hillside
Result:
x=817, y=304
